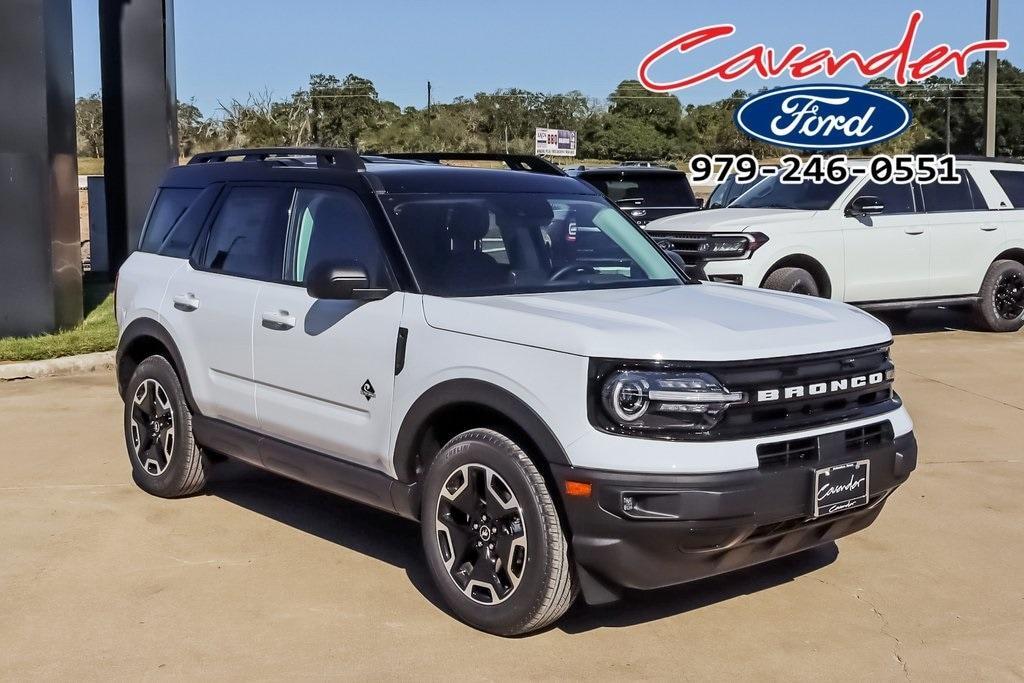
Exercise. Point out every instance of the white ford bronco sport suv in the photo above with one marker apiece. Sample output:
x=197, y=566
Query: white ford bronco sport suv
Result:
x=503, y=356
x=878, y=246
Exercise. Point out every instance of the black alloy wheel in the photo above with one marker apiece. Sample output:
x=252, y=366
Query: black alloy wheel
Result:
x=165, y=459
x=1009, y=295
x=1000, y=303
x=493, y=537
x=152, y=427
x=481, y=534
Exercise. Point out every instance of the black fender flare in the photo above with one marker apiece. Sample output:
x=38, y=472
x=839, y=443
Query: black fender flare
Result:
x=147, y=328
x=470, y=392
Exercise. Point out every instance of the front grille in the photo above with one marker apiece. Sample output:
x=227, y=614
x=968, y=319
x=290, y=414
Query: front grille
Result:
x=686, y=244
x=754, y=419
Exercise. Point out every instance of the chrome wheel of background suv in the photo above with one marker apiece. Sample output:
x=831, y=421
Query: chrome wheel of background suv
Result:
x=481, y=534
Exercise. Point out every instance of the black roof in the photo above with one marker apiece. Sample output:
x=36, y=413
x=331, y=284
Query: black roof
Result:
x=420, y=173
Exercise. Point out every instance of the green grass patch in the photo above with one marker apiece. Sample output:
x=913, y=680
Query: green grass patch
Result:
x=98, y=332
x=90, y=166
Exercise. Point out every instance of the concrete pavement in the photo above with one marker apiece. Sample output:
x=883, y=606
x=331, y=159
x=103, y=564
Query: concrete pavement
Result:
x=264, y=578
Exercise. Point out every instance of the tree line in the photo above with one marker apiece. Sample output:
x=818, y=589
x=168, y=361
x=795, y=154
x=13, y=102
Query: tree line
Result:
x=630, y=123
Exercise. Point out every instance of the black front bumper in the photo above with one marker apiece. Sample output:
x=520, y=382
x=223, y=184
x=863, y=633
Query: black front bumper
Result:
x=647, y=531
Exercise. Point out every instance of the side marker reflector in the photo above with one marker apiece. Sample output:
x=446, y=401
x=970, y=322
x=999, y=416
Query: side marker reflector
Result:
x=580, y=489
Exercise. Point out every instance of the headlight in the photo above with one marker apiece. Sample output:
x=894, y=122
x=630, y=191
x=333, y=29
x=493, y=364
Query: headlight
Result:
x=735, y=246
x=657, y=401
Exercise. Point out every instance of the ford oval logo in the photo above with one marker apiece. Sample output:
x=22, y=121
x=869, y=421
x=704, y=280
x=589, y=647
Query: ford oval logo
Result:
x=822, y=117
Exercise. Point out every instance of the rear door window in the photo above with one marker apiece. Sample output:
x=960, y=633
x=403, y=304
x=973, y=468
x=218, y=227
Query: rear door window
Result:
x=170, y=205
x=247, y=237
x=961, y=196
x=1012, y=183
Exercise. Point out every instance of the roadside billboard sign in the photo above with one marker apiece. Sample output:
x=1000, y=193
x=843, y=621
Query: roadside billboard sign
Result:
x=555, y=142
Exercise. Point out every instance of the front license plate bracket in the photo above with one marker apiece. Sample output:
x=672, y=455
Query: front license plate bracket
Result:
x=841, y=487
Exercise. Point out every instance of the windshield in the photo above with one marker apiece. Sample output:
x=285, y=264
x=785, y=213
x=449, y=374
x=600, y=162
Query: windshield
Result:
x=774, y=194
x=643, y=188
x=727, y=192
x=516, y=243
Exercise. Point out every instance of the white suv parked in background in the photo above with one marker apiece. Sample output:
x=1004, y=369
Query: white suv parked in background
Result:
x=503, y=356
x=878, y=246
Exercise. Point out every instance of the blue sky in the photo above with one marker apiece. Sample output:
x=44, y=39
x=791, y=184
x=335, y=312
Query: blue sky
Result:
x=229, y=48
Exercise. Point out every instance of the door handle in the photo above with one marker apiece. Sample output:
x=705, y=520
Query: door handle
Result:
x=914, y=231
x=278, y=320
x=989, y=228
x=186, y=302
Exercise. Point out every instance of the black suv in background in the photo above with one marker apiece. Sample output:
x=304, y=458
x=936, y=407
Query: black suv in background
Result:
x=644, y=193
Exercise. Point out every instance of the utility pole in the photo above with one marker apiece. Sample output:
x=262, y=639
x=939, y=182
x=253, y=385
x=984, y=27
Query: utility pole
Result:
x=991, y=65
x=948, y=101
x=428, y=107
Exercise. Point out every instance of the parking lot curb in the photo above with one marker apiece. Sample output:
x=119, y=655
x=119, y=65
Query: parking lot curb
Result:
x=57, y=367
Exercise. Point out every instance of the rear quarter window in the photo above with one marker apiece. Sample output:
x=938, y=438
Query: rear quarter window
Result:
x=168, y=209
x=1012, y=183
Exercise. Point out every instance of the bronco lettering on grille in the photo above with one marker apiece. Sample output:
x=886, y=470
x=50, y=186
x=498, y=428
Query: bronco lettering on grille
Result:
x=821, y=388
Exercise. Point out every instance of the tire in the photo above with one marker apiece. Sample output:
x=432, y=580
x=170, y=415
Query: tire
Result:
x=165, y=459
x=796, y=280
x=1001, y=306
x=526, y=582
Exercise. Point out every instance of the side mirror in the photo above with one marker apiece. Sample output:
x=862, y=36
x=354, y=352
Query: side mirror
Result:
x=346, y=280
x=865, y=206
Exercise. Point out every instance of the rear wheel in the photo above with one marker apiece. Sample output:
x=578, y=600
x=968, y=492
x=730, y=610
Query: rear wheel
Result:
x=492, y=536
x=796, y=280
x=158, y=432
x=1000, y=307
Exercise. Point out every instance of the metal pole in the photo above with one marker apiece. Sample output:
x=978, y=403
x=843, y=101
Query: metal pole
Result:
x=428, y=107
x=948, y=102
x=40, y=256
x=140, y=124
x=991, y=64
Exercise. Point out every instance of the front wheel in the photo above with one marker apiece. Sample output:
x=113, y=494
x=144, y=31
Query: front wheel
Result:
x=492, y=536
x=796, y=280
x=1000, y=307
x=165, y=459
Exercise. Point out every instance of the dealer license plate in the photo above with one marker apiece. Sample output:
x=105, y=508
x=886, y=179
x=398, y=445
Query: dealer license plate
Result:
x=840, y=487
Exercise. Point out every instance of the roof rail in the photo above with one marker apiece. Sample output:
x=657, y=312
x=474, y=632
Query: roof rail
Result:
x=346, y=159
x=516, y=162
x=981, y=157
